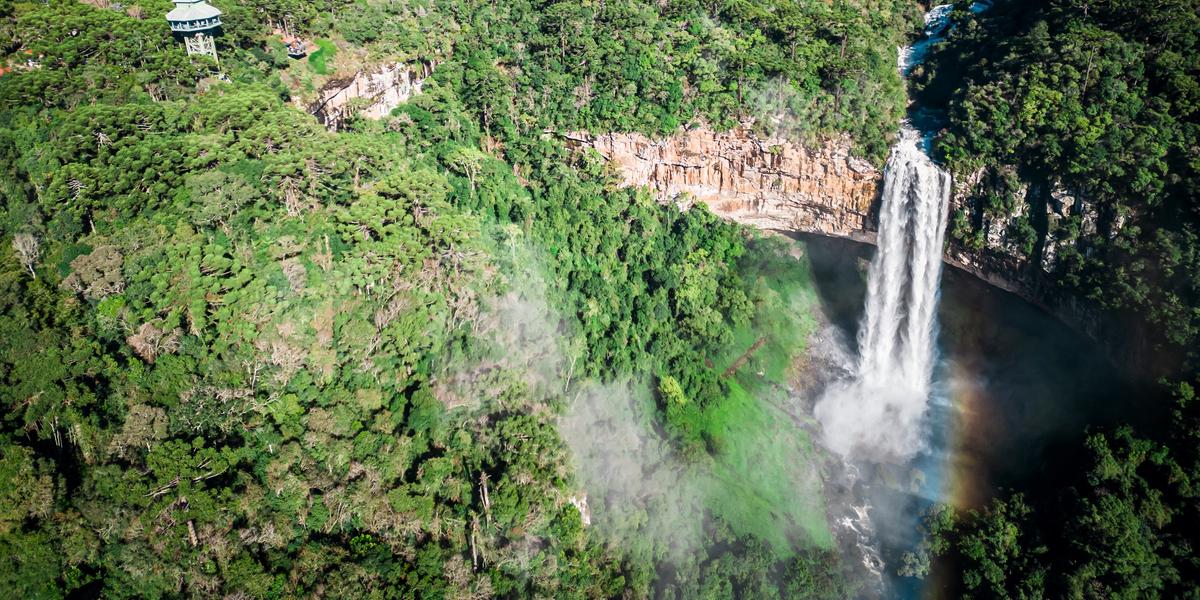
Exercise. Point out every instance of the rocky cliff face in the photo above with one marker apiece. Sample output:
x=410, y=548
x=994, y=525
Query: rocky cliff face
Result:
x=761, y=182
x=775, y=184
x=370, y=93
x=1018, y=249
x=997, y=257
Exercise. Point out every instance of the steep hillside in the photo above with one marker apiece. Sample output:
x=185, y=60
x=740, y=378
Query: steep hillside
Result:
x=1074, y=132
x=242, y=355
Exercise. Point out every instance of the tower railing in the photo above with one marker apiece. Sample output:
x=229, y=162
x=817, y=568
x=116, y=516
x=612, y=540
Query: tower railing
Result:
x=184, y=26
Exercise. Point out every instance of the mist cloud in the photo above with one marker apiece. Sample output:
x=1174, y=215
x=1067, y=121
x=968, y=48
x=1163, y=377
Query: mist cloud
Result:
x=641, y=494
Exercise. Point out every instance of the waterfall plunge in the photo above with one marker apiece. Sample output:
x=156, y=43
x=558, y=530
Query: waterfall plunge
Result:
x=878, y=414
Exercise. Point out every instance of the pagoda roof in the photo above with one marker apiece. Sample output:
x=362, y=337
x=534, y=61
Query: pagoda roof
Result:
x=192, y=11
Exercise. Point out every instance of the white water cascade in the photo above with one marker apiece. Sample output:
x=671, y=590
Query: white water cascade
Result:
x=888, y=419
x=878, y=414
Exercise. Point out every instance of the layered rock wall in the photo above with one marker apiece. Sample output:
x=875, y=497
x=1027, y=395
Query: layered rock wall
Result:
x=1001, y=260
x=761, y=182
x=775, y=184
x=370, y=93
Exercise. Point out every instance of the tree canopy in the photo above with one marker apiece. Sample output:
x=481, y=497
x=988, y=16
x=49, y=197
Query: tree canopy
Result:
x=244, y=356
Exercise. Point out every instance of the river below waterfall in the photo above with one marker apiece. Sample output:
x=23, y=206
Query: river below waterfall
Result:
x=1014, y=392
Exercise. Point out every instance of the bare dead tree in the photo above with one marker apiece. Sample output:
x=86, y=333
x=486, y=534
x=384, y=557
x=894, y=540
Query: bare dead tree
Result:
x=291, y=197
x=149, y=342
x=77, y=188
x=487, y=502
x=474, y=552
x=28, y=250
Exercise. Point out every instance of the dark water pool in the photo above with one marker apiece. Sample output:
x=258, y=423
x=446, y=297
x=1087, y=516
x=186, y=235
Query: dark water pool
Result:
x=1015, y=393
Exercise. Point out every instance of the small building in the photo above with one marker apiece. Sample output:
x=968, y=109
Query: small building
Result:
x=296, y=47
x=196, y=22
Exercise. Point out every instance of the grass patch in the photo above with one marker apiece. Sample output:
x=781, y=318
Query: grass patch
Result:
x=766, y=475
x=319, y=60
x=766, y=472
x=785, y=299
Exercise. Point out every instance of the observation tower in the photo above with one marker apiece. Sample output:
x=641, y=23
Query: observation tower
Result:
x=196, y=21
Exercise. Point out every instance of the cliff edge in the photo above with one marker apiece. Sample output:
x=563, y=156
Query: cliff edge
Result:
x=762, y=182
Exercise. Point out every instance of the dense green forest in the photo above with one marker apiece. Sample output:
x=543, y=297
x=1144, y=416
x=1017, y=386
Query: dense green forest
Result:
x=243, y=356
x=1101, y=98
x=439, y=355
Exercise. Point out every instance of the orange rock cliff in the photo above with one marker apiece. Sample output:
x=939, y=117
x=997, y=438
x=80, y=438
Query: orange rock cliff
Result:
x=762, y=182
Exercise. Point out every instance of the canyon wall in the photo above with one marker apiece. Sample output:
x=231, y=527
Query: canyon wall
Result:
x=761, y=182
x=1006, y=258
x=774, y=184
x=370, y=93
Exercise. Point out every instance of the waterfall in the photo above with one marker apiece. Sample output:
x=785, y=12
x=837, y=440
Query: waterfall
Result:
x=881, y=414
x=896, y=343
x=878, y=414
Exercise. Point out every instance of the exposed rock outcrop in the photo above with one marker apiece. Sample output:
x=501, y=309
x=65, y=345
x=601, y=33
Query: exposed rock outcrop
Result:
x=774, y=184
x=1060, y=218
x=761, y=182
x=370, y=93
x=1060, y=207
x=998, y=258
